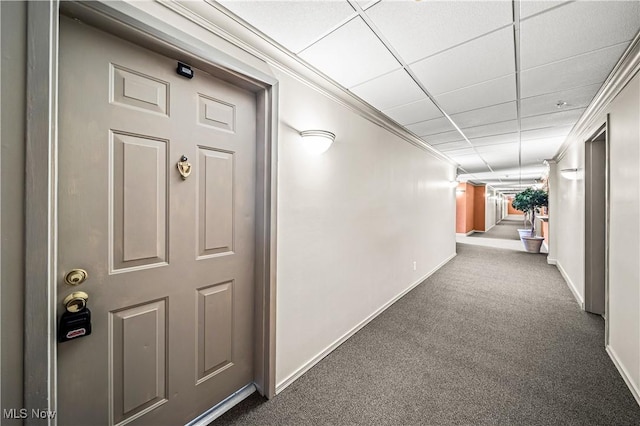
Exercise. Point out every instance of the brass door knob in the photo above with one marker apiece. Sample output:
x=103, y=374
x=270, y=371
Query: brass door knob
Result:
x=76, y=277
x=76, y=301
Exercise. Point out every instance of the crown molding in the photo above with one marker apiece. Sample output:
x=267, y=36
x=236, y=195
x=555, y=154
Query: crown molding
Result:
x=624, y=70
x=216, y=19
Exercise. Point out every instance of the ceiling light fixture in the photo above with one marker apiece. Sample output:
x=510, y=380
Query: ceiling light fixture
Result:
x=317, y=141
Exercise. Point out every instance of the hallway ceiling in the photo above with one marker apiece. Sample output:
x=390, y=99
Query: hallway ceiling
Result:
x=494, y=85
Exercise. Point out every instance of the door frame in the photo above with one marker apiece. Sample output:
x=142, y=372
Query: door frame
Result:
x=41, y=180
x=602, y=129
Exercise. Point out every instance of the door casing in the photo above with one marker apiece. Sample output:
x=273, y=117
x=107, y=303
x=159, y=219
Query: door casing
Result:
x=130, y=23
x=603, y=129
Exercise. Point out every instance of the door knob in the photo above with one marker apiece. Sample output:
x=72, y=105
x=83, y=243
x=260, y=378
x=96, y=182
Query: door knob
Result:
x=76, y=301
x=76, y=277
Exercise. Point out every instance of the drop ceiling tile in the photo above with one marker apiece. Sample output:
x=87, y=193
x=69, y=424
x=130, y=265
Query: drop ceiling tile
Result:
x=576, y=28
x=501, y=156
x=495, y=139
x=481, y=95
x=390, y=90
x=351, y=55
x=461, y=152
x=453, y=146
x=420, y=29
x=499, y=150
x=488, y=115
x=549, y=120
x=544, y=104
x=502, y=162
x=414, y=112
x=292, y=24
x=547, y=132
x=471, y=163
x=431, y=127
x=528, y=8
x=492, y=56
x=440, y=138
x=579, y=71
x=491, y=129
x=540, y=150
x=365, y=4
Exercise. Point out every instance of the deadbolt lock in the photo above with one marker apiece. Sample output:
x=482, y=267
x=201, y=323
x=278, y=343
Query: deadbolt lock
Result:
x=76, y=277
x=76, y=301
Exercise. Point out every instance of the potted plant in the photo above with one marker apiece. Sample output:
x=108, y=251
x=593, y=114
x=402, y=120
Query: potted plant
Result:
x=521, y=202
x=529, y=201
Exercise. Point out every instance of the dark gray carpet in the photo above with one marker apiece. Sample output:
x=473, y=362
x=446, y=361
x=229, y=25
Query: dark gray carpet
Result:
x=494, y=337
x=507, y=229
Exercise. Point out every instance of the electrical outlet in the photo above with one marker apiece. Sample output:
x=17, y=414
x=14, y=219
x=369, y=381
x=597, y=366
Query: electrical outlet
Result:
x=415, y=265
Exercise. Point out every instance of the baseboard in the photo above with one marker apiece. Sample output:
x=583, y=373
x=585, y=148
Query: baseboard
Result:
x=313, y=361
x=571, y=285
x=551, y=261
x=219, y=409
x=490, y=228
x=635, y=391
x=462, y=234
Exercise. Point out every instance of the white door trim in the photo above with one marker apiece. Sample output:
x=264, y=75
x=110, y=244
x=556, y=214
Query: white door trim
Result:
x=40, y=384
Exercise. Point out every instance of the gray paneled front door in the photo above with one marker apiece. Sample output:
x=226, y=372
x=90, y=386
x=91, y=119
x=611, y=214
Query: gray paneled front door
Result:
x=170, y=261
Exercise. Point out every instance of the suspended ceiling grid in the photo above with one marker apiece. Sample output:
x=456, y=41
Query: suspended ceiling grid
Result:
x=494, y=85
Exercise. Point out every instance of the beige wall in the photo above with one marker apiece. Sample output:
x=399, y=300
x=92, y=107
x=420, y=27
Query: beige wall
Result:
x=13, y=71
x=624, y=239
x=351, y=222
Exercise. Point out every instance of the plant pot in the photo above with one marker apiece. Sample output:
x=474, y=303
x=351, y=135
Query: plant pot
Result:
x=524, y=233
x=532, y=244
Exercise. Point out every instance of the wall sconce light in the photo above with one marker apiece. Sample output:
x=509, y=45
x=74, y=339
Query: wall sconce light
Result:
x=460, y=191
x=571, y=174
x=317, y=141
x=453, y=183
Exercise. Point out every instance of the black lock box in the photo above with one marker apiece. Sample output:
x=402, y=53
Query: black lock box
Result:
x=74, y=325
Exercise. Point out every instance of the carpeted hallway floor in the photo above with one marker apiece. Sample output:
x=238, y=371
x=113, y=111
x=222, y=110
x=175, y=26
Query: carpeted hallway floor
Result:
x=494, y=337
x=506, y=229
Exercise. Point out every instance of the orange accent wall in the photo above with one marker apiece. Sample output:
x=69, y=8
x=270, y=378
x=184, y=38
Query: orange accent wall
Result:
x=461, y=209
x=545, y=232
x=510, y=209
x=464, y=208
x=478, y=207
x=471, y=198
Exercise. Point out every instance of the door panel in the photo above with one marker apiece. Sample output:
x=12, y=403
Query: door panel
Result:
x=215, y=182
x=138, y=349
x=170, y=260
x=139, y=200
x=214, y=329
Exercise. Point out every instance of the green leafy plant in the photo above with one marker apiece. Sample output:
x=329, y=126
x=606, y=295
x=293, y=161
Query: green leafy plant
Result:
x=530, y=201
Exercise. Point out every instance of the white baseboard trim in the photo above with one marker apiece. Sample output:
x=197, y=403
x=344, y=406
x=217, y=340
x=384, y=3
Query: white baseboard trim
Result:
x=551, y=261
x=316, y=359
x=219, y=409
x=571, y=285
x=635, y=391
x=465, y=235
x=490, y=228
